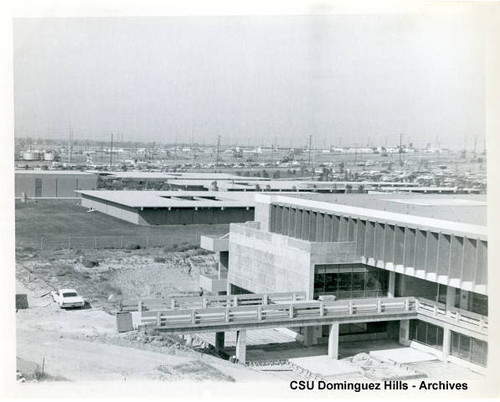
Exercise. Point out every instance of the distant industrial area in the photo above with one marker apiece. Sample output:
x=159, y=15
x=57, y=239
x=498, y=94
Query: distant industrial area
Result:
x=129, y=166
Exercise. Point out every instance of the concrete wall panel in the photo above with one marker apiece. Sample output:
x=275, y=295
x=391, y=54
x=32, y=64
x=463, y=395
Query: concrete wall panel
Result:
x=432, y=253
x=469, y=260
x=420, y=249
x=360, y=237
x=369, y=239
x=388, y=255
x=409, y=251
x=443, y=263
x=456, y=257
x=378, y=252
x=399, y=244
x=482, y=264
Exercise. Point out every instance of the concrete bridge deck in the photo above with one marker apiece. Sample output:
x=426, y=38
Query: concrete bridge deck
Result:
x=294, y=314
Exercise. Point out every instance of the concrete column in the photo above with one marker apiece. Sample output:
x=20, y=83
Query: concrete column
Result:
x=241, y=346
x=450, y=296
x=219, y=341
x=446, y=342
x=404, y=332
x=391, y=289
x=311, y=335
x=333, y=341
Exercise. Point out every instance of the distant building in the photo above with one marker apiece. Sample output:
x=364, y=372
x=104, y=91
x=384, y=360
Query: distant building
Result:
x=172, y=207
x=52, y=183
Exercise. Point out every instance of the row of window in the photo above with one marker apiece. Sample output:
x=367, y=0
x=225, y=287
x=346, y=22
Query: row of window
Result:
x=350, y=282
x=468, y=348
x=462, y=346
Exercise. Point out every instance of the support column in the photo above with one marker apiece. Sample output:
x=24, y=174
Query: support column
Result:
x=333, y=341
x=241, y=346
x=446, y=343
x=219, y=341
x=311, y=335
x=404, y=332
x=391, y=289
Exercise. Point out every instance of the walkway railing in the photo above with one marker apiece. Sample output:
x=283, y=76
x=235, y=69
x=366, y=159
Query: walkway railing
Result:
x=280, y=314
x=463, y=318
x=202, y=302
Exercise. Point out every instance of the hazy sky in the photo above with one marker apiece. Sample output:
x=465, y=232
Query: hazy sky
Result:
x=342, y=79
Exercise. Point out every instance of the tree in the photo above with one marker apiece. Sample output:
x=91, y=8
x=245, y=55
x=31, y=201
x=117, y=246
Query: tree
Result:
x=276, y=174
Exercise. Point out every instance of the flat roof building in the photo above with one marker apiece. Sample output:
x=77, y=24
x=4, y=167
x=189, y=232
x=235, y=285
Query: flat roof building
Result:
x=427, y=250
x=52, y=183
x=171, y=207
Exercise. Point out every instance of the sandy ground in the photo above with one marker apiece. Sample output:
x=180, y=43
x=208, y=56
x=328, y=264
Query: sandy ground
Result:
x=83, y=345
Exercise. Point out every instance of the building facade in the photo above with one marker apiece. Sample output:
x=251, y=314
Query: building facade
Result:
x=55, y=183
x=328, y=249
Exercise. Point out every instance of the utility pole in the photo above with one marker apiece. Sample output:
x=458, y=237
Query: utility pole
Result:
x=111, y=152
x=191, y=147
x=310, y=146
x=400, y=149
x=70, y=145
x=218, y=153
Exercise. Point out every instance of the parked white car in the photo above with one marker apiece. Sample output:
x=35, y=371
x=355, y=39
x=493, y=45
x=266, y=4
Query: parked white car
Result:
x=67, y=298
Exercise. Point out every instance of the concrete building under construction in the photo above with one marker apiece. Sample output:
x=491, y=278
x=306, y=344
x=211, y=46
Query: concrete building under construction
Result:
x=429, y=253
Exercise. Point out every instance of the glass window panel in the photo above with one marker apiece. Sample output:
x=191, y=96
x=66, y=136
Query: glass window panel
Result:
x=345, y=281
x=464, y=347
x=478, y=352
x=441, y=294
x=372, y=281
x=454, y=343
x=421, y=332
x=431, y=335
x=478, y=303
x=440, y=336
x=358, y=281
x=413, y=329
x=330, y=283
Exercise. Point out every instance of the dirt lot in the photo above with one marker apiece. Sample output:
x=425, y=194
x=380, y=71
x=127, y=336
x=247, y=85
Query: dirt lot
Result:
x=103, y=277
x=83, y=344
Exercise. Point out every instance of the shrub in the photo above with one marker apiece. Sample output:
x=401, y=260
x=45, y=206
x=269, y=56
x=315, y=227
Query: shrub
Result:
x=89, y=263
x=64, y=270
x=132, y=246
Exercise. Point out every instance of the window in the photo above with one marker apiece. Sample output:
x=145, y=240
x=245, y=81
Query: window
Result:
x=428, y=334
x=348, y=281
x=469, y=349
